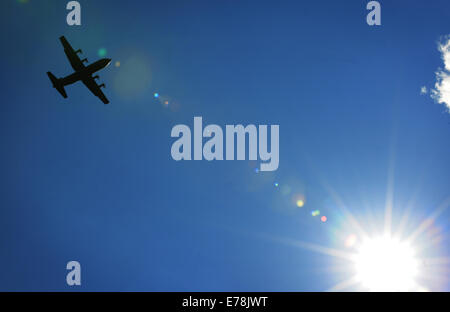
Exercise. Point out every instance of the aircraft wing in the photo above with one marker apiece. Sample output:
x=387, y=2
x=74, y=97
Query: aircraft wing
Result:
x=72, y=55
x=92, y=85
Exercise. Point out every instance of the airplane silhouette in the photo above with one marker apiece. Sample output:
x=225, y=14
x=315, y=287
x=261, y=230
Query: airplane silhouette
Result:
x=83, y=73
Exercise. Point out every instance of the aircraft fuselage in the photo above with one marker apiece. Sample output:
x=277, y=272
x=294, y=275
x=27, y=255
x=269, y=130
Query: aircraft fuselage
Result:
x=86, y=72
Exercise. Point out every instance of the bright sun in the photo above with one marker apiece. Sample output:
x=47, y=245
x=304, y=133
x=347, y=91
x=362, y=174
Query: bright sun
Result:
x=386, y=264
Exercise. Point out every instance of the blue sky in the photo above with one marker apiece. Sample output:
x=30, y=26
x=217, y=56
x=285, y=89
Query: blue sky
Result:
x=97, y=184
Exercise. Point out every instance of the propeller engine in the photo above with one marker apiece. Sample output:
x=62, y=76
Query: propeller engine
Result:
x=96, y=77
x=102, y=86
x=79, y=51
x=84, y=60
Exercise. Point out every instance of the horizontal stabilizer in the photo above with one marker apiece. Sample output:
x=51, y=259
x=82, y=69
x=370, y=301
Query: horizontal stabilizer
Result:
x=57, y=84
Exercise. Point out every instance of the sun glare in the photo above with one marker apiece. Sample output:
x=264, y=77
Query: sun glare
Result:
x=386, y=264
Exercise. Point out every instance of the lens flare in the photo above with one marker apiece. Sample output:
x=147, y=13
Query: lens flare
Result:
x=102, y=52
x=350, y=241
x=134, y=77
x=286, y=190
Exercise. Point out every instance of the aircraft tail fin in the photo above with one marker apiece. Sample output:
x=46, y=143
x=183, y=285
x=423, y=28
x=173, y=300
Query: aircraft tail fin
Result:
x=57, y=84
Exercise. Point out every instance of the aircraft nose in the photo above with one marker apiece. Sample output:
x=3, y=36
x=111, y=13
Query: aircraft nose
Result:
x=108, y=61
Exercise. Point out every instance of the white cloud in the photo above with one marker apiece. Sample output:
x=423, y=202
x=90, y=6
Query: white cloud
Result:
x=423, y=90
x=441, y=91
